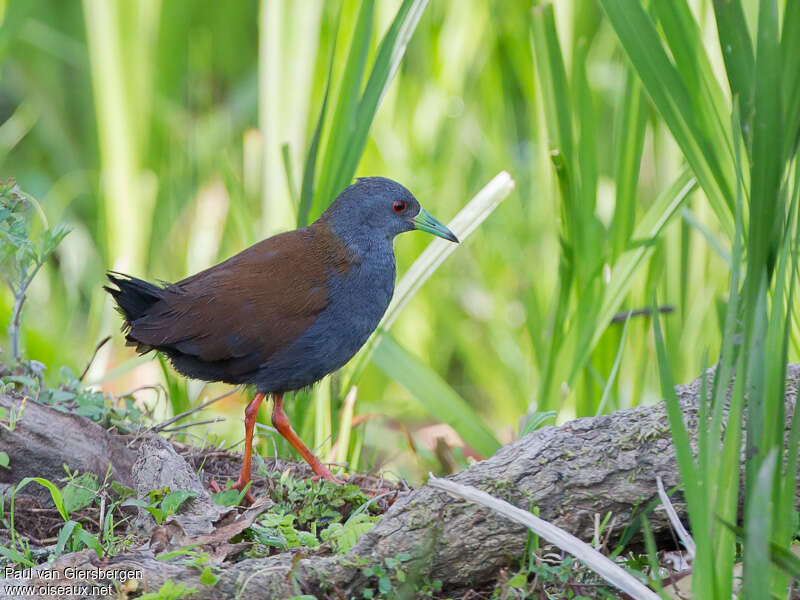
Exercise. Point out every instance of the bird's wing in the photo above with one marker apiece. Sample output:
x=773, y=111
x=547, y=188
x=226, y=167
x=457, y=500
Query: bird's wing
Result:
x=250, y=306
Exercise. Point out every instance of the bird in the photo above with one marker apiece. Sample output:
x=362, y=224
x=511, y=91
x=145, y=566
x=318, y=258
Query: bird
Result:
x=285, y=312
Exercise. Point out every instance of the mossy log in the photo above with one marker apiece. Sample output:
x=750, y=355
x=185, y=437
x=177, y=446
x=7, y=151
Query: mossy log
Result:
x=571, y=473
x=45, y=439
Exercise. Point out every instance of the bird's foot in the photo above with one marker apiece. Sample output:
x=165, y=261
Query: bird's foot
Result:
x=330, y=478
x=239, y=486
x=322, y=472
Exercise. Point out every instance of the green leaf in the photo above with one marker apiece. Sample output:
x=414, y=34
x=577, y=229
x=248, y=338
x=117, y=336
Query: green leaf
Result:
x=384, y=585
x=790, y=50
x=537, y=420
x=553, y=74
x=80, y=492
x=434, y=395
x=136, y=502
x=630, y=130
x=4, y=460
x=122, y=490
x=172, y=501
x=684, y=38
x=390, y=52
x=55, y=493
x=307, y=187
x=208, y=577
x=15, y=557
x=344, y=536
x=63, y=536
x=88, y=540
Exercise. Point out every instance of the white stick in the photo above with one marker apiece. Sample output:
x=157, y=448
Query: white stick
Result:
x=605, y=568
x=684, y=536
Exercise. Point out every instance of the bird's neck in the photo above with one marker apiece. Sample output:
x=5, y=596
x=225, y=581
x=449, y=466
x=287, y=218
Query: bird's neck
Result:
x=362, y=242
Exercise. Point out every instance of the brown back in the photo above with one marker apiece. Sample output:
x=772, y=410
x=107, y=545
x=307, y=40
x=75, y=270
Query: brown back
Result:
x=251, y=305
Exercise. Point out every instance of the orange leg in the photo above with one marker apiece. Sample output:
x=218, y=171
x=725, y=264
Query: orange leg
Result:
x=250, y=414
x=281, y=422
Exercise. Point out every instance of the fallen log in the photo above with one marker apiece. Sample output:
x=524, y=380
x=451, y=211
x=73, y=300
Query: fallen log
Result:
x=45, y=439
x=573, y=472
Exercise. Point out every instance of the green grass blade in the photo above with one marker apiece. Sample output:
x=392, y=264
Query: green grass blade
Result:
x=684, y=38
x=309, y=170
x=790, y=50
x=696, y=502
x=766, y=209
x=758, y=530
x=343, y=119
x=785, y=513
x=689, y=217
x=614, y=369
x=55, y=493
x=286, y=158
x=355, y=112
x=553, y=75
x=433, y=393
x=660, y=213
x=680, y=435
x=668, y=92
x=629, y=135
x=737, y=52
x=323, y=421
x=390, y=53
x=557, y=100
x=590, y=252
x=723, y=466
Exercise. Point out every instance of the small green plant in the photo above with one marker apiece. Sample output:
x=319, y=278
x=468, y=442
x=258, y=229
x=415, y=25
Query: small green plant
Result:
x=343, y=536
x=162, y=503
x=72, y=396
x=308, y=513
x=72, y=535
x=169, y=591
x=11, y=418
x=190, y=556
x=320, y=502
x=390, y=574
x=278, y=531
x=79, y=493
x=20, y=256
x=551, y=575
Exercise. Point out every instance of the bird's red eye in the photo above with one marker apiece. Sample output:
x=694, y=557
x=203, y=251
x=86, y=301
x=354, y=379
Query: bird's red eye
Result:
x=399, y=206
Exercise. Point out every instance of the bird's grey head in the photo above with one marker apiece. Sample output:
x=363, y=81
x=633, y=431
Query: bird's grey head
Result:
x=379, y=208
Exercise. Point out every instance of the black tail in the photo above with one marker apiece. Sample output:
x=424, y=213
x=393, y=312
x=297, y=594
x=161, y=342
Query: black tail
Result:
x=134, y=297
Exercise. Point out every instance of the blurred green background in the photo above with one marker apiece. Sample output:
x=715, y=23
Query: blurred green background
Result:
x=155, y=129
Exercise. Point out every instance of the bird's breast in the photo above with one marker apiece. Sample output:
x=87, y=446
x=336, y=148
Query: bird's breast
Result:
x=357, y=298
